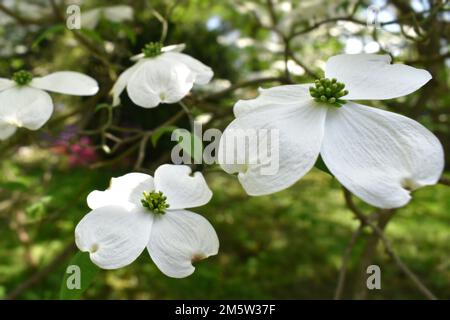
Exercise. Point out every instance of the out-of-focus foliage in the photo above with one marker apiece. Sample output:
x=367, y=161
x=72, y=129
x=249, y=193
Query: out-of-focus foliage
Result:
x=287, y=245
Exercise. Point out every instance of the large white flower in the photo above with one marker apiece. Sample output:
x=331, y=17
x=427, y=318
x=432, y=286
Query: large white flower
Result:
x=24, y=102
x=378, y=155
x=138, y=211
x=160, y=75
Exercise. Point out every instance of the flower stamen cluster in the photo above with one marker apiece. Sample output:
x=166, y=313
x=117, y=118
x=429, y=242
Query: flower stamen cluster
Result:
x=22, y=77
x=152, y=49
x=328, y=91
x=155, y=202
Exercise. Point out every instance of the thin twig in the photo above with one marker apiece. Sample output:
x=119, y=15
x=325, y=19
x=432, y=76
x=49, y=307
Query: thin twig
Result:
x=422, y=288
x=386, y=243
x=304, y=66
x=243, y=84
x=345, y=259
x=164, y=23
x=188, y=112
x=142, y=151
x=326, y=21
x=25, y=20
x=347, y=254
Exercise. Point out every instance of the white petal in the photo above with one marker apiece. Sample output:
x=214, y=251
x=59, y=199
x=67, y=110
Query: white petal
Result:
x=67, y=82
x=179, y=47
x=159, y=81
x=203, y=73
x=172, y=48
x=122, y=82
x=371, y=76
x=118, y=13
x=280, y=96
x=25, y=107
x=90, y=18
x=179, y=238
x=137, y=57
x=6, y=130
x=295, y=133
x=113, y=236
x=182, y=188
x=125, y=191
x=379, y=155
x=6, y=84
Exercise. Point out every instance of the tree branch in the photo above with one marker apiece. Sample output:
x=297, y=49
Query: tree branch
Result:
x=25, y=20
x=243, y=84
x=345, y=259
x=386, y=243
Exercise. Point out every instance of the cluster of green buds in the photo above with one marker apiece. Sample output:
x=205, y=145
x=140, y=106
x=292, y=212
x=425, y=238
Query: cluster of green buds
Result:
x=152, y=49
x=155, y=201
x=22, y=77
x=328, y=91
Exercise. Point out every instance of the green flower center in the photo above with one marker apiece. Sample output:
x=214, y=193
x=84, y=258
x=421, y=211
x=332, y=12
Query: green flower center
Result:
x=152, y=49
x=22, y=77
x=155, y=202
x=328, y=91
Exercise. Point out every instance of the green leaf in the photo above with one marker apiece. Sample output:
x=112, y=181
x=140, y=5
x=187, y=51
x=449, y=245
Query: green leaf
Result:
x=79, y=266
x=129, y=33
x=119, y=28
x=322, y=166
x=95, y=36
x=13, y=186
x=158, y=133
x=191, y=144
x=37, y=209
x=47, y=33
x=17, y=64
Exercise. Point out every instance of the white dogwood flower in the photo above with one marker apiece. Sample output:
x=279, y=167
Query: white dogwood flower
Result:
x=138, y=212
x=24, y=102
x=160, y=75
x=378, y=155
x=119, y=13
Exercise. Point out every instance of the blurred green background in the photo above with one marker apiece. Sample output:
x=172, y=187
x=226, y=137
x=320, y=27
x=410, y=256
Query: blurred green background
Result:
x=288, y=245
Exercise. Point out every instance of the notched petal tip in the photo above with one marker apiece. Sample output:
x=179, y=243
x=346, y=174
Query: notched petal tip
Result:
x=380, y=156
x=113, y=236
x=182, y=187
x=159, y=75
x=179, y=239
x=373, y=77
x=25, y=107
x=94, y=248
x=198, y=257
x=410, y=185
x=291, y=137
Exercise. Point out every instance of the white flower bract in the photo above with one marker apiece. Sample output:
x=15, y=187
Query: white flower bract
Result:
x=165, y=78
x=378, y=155
x=119, y=227
x=119, y=13
x=30, y=106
